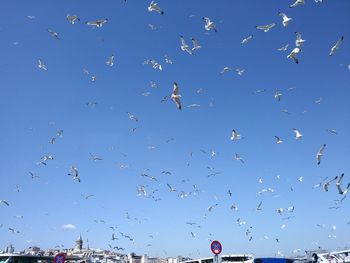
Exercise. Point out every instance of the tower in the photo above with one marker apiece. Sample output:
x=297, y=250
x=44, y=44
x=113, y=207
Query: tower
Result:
x=79, y=243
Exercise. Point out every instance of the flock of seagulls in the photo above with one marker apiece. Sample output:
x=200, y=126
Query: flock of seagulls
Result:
x=151, y=188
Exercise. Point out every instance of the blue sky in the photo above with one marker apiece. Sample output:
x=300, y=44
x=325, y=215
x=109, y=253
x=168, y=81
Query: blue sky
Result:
x=36, y=104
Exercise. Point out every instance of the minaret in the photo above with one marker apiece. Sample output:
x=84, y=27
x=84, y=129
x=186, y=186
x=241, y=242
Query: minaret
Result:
x=79, y=243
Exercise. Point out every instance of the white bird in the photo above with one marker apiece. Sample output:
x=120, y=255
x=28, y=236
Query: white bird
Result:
x=294, y=53
x=278, y=140
x=278, y=95
x=184, y=46
x=154, y=63
x=279, y=210
x=259, y=207
x=239, y=71
x=299, y=42
x=235, y=135
x=193, y=235
x=97, y=23
x=285, y=18
x=333, y=131
x=209, y=24
x=266, y=28
x=110, y=61
x=284, y=48
x=175, y=96
x=210, y=208
x=320, y=153
x=74, y=173
x=225, y=69
x=153, y=6
x=239, y=158
x=53, y=34
x=4, y=202
x=296, y=3
x=195, y=44
x=298, y=135
x=336, y=46
x=72, y=18
x=246, y=40
x=326, y=184
x=41, y=65
x=168, y=60
x=338, y=185
x=95, y=158
x=171, y=189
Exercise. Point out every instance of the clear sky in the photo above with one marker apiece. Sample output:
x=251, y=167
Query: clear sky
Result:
x=36, y=104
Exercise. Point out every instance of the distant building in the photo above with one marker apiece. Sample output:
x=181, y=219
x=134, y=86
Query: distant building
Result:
x=79, y=244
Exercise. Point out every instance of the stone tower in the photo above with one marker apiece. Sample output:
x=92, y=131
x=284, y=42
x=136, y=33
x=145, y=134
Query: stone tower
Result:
x=79, y=243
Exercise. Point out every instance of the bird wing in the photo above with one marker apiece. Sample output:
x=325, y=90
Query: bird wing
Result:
x=175, y=89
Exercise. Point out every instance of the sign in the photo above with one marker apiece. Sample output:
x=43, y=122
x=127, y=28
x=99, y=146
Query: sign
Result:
x=59, y=258
x=216, y=247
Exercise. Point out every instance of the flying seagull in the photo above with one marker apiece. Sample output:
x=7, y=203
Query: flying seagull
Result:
x=4, y=202
x=299, y=42
x=296, y=3
x=72, y=18
x=153, y=6
x=225, y=69
x=235, y=135
x=41, y=65
x=246, y=40
x=278, y=95
x=326, y=184
x=336, y=46
x=266, y=28
x=320, y=153
x=239, y=158
x=184, y=46
x=278, y=140
x=175, y=96
x=53, y=34
x=97, y=23
x=298, y=135
x=74, y=173
x=284, y=48
x=110, y=61
x=293, y=54
x=285, y=18
x=209, y=24
x=196, y=44
x=338, y=185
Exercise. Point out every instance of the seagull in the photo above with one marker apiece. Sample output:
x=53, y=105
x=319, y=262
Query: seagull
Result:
x=97, y=23
x=297, y=2
x=225, y=69
x=279, y=210
x=293, y=54
x=53, y=34
x=155, y=64
x=234, y=207
x=333, y=131
x=184, y=46
x=46, y=158
x=299, y=42
x=168, y=60
x=239, y=71
x=285, y=18
x=298, y=135
x=171, y=189
x=338, y=185
x=320, y=153
x=41, y=65
x=193, y=235
x=278, y=140
x=259, y=207
x=4, y=202
x=266, y=28
x=74, y=173
x=72, y=18
x=209, y=24
x=175, y=96
x=95, y=157
x=210, y=208
x=153, y=6
x=195, y=44
x=246, y=40
x=278, y=95
x=33, y=175
x=110, y=61
x=132, y=117
x=336, y=46
x=238, y=158
x=235, y=135
x=284, y=48
x=326, y=185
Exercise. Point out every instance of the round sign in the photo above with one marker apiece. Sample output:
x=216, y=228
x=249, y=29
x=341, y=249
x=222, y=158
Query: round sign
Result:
x=216, y=247
x=59, y=258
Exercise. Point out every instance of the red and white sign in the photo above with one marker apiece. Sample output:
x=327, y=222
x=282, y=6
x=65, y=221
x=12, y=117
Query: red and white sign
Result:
x=216, y=247
x=59, y=258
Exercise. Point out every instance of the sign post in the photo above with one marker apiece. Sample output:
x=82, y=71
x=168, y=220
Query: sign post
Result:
x=216, y=248
x=59, y=258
